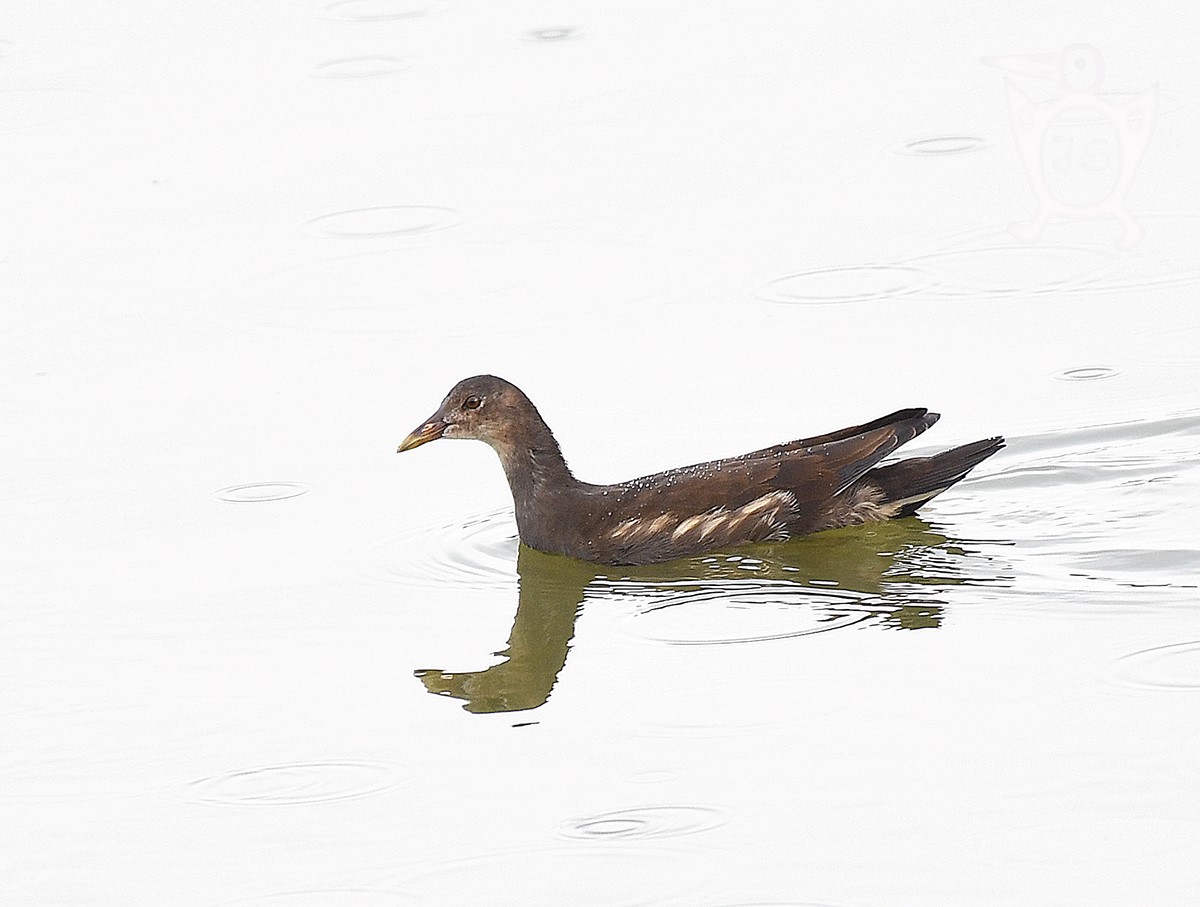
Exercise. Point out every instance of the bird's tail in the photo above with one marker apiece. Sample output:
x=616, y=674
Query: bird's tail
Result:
x=910, y=483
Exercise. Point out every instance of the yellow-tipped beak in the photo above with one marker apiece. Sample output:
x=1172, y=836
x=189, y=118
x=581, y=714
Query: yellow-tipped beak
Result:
x=430, y=431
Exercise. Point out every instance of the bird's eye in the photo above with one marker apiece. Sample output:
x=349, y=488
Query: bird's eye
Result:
x=472, y=402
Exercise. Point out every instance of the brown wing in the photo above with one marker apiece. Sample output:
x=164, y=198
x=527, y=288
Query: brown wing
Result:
x=771, y=494
x=842, y=434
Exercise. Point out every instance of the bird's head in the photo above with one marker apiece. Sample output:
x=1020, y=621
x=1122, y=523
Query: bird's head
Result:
x=485, y=408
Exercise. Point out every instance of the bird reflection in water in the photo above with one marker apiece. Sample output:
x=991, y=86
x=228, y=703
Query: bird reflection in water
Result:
x=890, y=573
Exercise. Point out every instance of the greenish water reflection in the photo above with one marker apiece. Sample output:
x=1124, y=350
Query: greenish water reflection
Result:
x=891, y=571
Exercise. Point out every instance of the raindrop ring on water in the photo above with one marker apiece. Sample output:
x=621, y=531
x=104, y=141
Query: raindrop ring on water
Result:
x=385, y=220
x=553, y=34
x=936, y=145
x=646, y=822
x=1088, y=373
x=1011, y=269
x=850, y=283
x=331, y=897
x=360, y=67
x=383, y=10
x=780, y=904
x=294, y=784
x=653, y=776
x=258, y=492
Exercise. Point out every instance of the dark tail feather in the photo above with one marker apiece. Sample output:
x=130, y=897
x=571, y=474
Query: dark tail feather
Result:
x=915, y=481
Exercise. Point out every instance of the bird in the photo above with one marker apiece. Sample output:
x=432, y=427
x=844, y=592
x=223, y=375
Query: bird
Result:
x=775, y=494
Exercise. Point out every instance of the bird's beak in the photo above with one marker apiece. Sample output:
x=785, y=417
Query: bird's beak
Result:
x=430, y=431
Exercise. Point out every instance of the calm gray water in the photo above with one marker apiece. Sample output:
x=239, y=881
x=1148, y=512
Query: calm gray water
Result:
x=251, y=656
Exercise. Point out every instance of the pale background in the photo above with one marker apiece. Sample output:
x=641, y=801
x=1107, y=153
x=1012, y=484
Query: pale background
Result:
x=253, y=244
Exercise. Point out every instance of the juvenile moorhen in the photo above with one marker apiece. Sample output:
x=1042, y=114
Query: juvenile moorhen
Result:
x=769, y=495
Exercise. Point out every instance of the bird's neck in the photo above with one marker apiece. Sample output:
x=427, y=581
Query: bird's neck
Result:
x=536, y=470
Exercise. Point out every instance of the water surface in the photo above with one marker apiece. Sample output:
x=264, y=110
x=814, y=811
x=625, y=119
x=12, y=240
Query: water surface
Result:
x=253, y=657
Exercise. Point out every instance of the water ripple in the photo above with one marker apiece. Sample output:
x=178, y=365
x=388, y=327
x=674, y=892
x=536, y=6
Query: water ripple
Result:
x=553, y=34
x=384, y=220
x=331, y=897
x=294, y=784
x=846, y=284
x=480, y=552
x=1087, y=373
x=257, y=492
x=1166, y=255
x=645, y=822
x=939, y=145
x=1174, y=667
x=360, y=67
x=779, y=904
x=728, y=613
x=383, y=10
x=653, y=776
x=1139, y=567
x=1077, y=470
x=1010, y=269
x=1073, y=257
